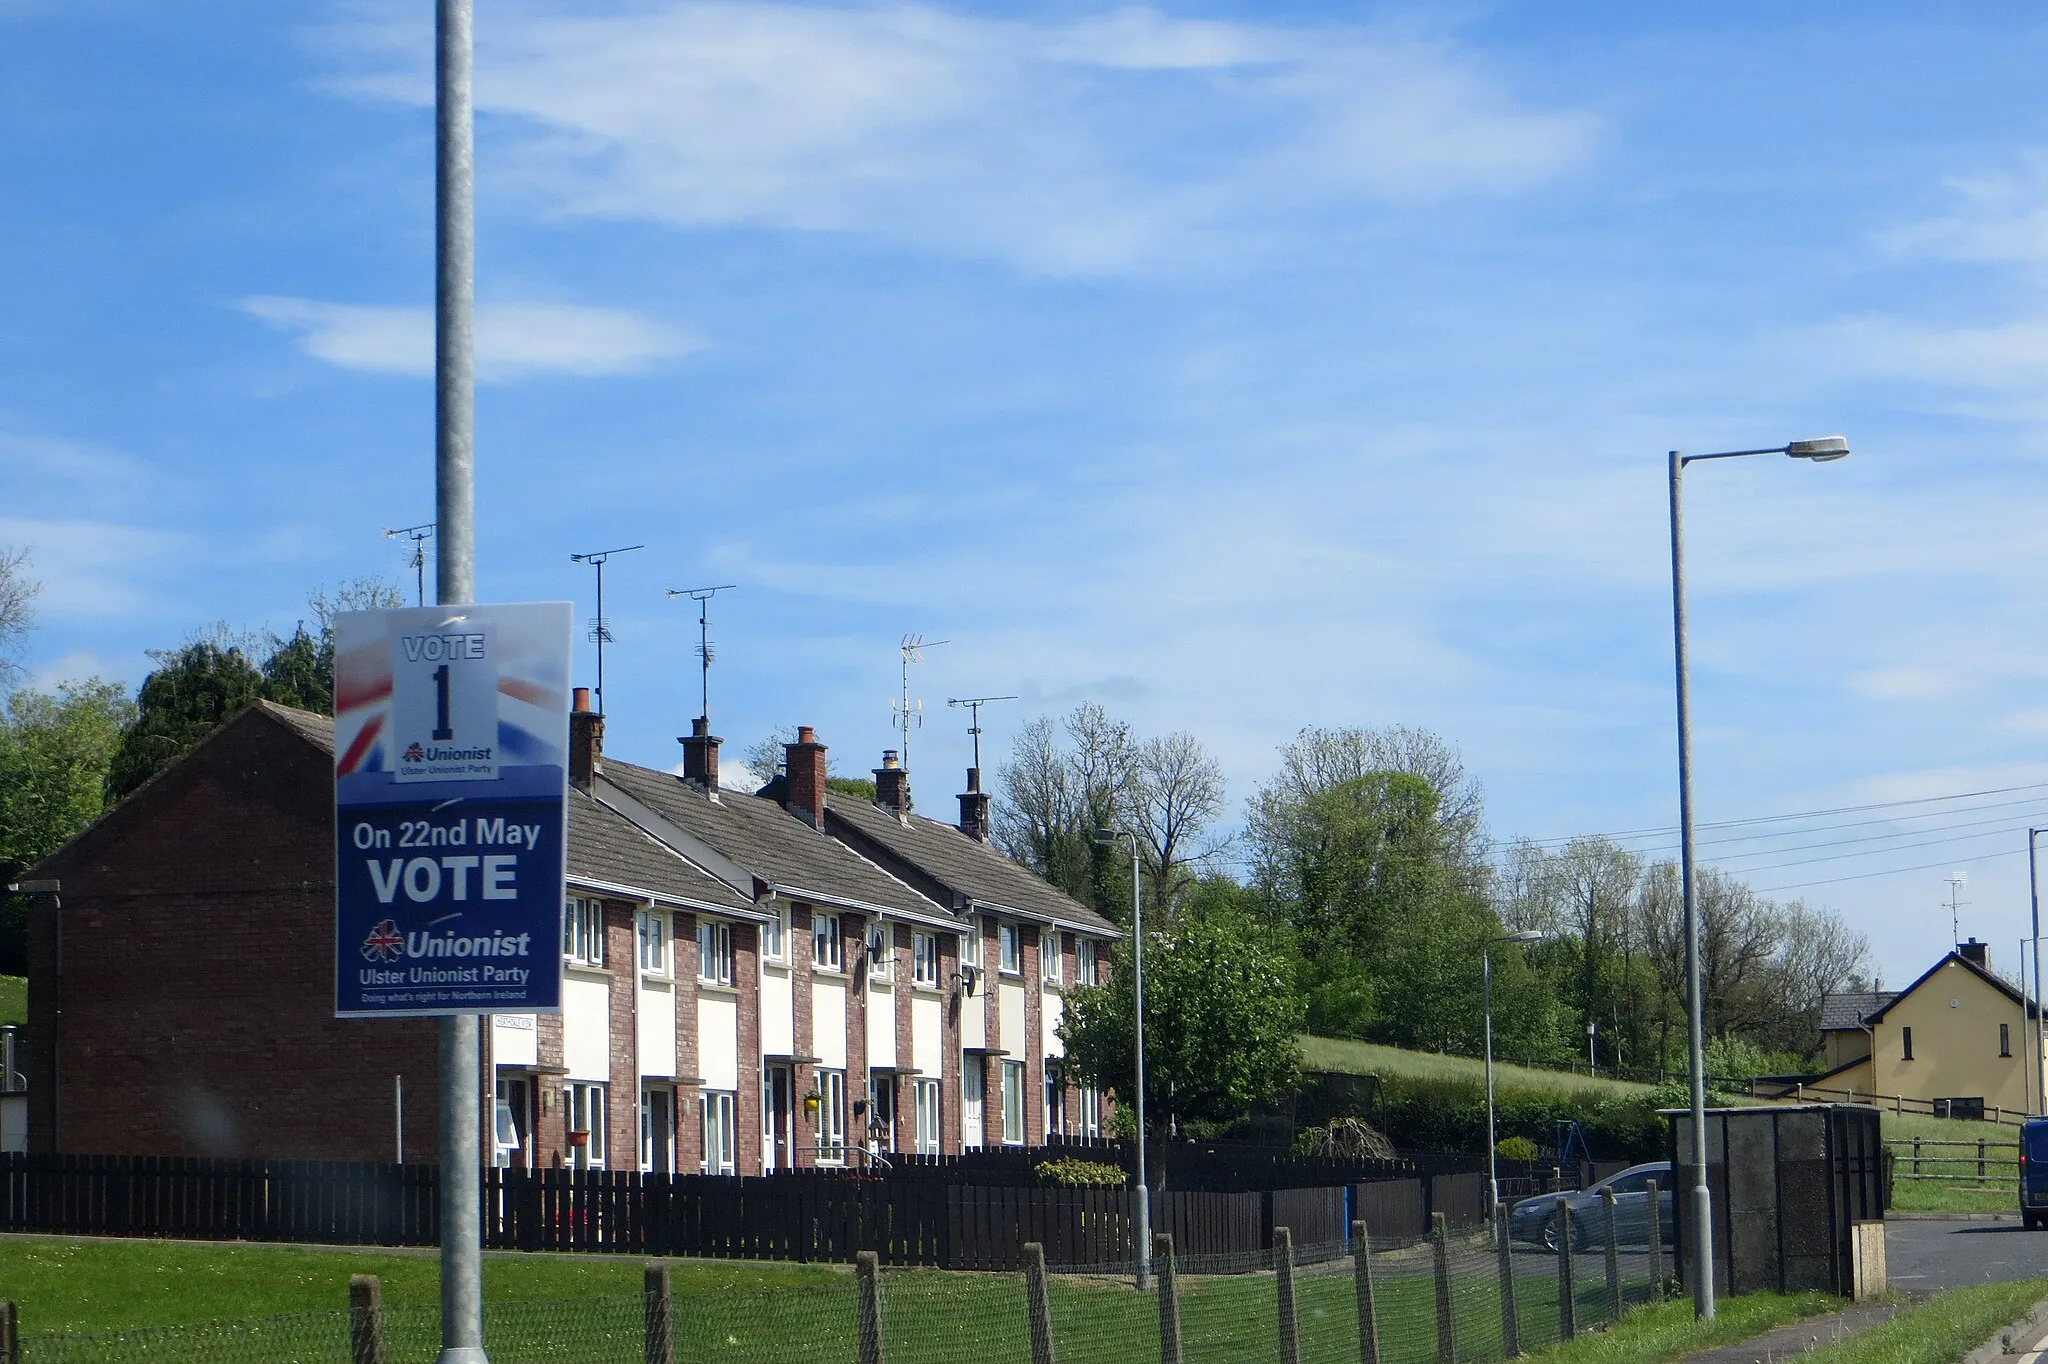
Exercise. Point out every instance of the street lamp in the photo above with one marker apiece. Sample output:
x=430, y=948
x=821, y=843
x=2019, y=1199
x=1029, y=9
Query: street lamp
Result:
x=1105, y=837
x=1824, y=450
x=1527, y=935
x=2034, y=901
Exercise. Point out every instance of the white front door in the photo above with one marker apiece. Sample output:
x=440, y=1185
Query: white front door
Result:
x=972, y=1073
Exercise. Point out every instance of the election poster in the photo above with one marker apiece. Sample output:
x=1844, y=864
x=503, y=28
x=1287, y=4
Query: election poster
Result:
x=451, y=740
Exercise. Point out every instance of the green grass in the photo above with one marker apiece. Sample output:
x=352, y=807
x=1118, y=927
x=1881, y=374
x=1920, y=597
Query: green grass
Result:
x=1928, y=1195
x=1666, y=1330
x=1348, y=1057
x=1940, y=1330
x=14, y=999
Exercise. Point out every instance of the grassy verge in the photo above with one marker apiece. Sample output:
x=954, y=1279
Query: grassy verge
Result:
x=1347, y=1057
x=1939, y=1331
x=1667, y=1330
x=14, y=999
x=1923, y=1195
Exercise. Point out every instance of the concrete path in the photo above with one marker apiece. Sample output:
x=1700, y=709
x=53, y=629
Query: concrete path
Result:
x=1796, y=1338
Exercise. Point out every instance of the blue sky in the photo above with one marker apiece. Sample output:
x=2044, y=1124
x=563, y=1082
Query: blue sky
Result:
x=1239, y=367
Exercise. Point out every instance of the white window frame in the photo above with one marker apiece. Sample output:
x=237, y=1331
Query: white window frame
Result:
x=583, y=931
x=583, y=1109
x=925, y=1103
x=1052, y=964
x=1055, y=1105
x=831, y=1117
x=656, y=944
x=714, y=952
x=827, y=951
x=1091, y=1113
x=924, y=960
x=1010, y=948
x=881, y=956
x=970, y=946
x=718, y=1110
x=1013, y=1103
x=775, y=935
x=1084, y=961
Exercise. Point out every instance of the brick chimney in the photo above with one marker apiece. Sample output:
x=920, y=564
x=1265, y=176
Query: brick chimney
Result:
x=700, y=755
x=892, y=785
x=1974, y=952
x=586, y=739
x=974, y=808
x=804, y=784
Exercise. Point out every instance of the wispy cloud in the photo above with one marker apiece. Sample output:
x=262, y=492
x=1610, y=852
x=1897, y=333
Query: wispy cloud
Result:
x=1098, y=145
x=1997, y=216
x=1904, y=683
x=513, y=340
x=93, y=568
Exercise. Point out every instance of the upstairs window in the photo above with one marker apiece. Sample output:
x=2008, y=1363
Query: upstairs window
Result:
x=880, y=958
x=774, y=943
x=583, y=931
x=654, y=943
x=825, y=948
x=1011, y=940
x=924, y=960
x=714, y=952
x=1084, y=961
x=1050, y=961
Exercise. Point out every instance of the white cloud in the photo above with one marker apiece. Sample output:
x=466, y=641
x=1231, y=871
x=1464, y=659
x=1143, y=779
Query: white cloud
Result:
x=1907, y=683
x=92, y=568
x=2010, y=357
x=2001, y=216
x=2031, y=722
x=1066, y=146
x=512, y=339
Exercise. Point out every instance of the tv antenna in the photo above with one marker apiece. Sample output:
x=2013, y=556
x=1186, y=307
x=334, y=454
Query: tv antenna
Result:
x=1956, y=879
x=419, y=535
x=702, y=596
x=600, y=629
x=974, y=705
x=910, y=715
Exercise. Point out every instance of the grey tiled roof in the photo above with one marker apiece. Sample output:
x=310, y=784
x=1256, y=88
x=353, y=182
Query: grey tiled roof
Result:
x=959, y=863
x=1843, y=1010
x=761, y=836
x=603, y=845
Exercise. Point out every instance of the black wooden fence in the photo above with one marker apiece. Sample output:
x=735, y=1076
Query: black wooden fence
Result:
x=812, y=1216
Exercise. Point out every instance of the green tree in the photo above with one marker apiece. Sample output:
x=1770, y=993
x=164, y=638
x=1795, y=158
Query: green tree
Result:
x=1220, y=1021
x=300, y=672
x=192, y=690
x=54, y=754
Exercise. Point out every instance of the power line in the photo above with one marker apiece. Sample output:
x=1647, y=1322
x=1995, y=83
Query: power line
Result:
x=1672, y=829
x=1874, y=852
x=1893, y=871
x=2004, y=821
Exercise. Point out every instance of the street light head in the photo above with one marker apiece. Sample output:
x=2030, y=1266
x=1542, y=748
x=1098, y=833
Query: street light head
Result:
x=1527, y=935
x=1108, y=835
x=1820, y=451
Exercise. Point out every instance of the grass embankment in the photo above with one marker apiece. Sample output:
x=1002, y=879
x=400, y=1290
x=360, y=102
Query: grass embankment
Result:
x=14, y=999
x=1347, y=1057
x=1940, y=1330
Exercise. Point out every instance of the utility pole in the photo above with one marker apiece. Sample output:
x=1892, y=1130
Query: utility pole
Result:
x=461, y=1048
x=419, y=535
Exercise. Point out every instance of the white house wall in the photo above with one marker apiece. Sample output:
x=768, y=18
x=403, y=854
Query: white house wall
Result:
x=587, y=1027
x=828, y=1022
x=1010, y=1013
x=514, y=1040
x=718, y=1040
x=778, y=1013
x=1050, y=1008
x=881, y=1028
x=928, y=1034
x=657, y=1028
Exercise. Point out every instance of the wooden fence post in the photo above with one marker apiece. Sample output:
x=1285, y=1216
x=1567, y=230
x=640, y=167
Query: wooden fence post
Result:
x=661, y=1346
x=10, y=1333
x=1611, y=1212
x=1656, y=1243
x=867, y=1278
x=1361, y=1273
x=1169, y=1298
x=1037, y=1303
x=1446, y=1328
x=1567, y=1309
x=365, y=1320
x=1510, y=1315
x=1283, y=1280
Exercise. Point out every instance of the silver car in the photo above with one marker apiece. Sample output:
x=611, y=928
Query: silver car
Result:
x=1535, y=1219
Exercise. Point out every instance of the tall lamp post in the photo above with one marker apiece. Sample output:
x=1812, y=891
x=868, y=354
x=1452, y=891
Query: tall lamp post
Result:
x=1701, y=1222
x=1486, y=1004
x=2034, y=902
x=1108, y=836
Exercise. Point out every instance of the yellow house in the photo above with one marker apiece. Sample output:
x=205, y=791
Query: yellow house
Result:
x=1955, y=1040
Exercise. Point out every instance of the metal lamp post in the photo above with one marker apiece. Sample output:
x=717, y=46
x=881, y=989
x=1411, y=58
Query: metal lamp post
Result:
x=1107, y=836
x=1486, y=1006
x=2034, y=903
x=1701, y=1223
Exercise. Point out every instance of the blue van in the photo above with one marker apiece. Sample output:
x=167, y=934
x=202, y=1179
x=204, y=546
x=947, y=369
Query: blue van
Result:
x=2034, y=1173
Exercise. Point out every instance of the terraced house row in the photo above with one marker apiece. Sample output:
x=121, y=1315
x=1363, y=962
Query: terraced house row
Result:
x=752, y=981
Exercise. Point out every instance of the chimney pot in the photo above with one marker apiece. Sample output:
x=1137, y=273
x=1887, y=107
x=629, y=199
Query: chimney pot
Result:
x=581, y=705
x=804, y=783
x=892, y=785
x=700, y=755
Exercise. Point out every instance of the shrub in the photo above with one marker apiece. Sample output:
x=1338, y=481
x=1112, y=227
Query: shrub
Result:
x=1516, y=1148
x=1072, y=1173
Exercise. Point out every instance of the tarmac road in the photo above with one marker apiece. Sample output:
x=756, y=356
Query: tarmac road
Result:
x=1922, y=1256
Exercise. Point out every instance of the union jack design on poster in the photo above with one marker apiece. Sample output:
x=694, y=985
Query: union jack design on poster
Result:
x=451, y=740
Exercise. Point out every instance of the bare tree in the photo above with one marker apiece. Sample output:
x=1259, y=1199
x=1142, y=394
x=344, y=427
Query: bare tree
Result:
x=767, y=756
x=1175, y=795
x=18, y=594
x=1063, y=781
x=1318, y=759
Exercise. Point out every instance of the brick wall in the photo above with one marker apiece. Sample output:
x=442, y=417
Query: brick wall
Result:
x=949, y=1046
x=194, y=1013
x=746, y=951
x=689, y=1121
x=622, y=957
x=1029, y=943
x=906, y=1088
x=852, y=948
x=803, y=1124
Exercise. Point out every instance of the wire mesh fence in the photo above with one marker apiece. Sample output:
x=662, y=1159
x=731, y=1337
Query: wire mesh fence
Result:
x=1445, y=1298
